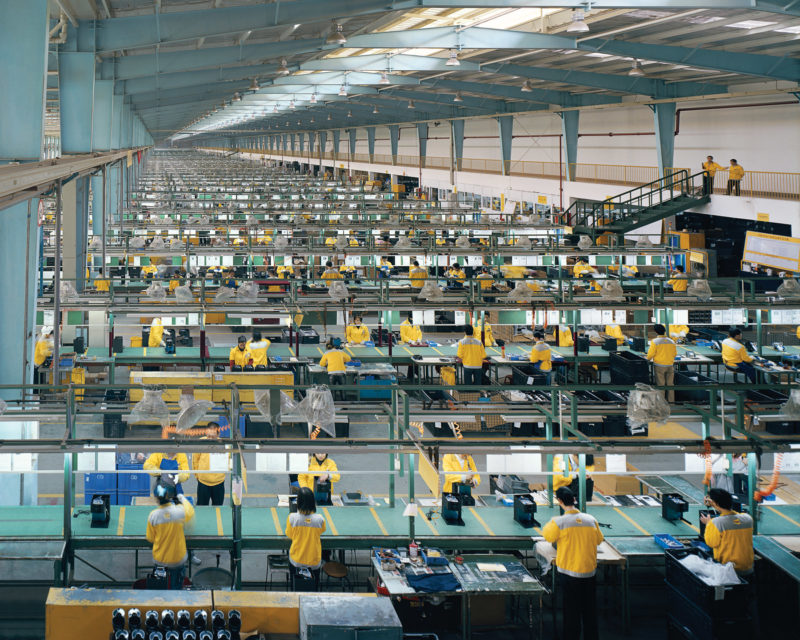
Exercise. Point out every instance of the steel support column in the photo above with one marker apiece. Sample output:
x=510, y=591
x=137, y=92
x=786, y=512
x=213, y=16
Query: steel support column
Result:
x=457, y=135
x=505, y=127
x=422, y=139
x=664, y=115
x=569, y=131
x=371, y=143
x=394, y=140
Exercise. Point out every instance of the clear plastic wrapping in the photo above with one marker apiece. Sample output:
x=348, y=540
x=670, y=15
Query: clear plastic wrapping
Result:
x=611, y=290
x=430, y=292
x=584, y=242
x=184, y=293
x=462, y=242
x=789, y=288
x=191, y=414
x=319, y=410
x=157, y=243
x=520, y=293
x=280, y=242
x=646, y=404
x=791, y=408
x=67, y=291
x=700, y=289
x=151, y=408
x=523, y=242
x=156, y=292
x=337, y=290
x=247, y=292
x=225, y=294
x=136, y=243
x=403, y=243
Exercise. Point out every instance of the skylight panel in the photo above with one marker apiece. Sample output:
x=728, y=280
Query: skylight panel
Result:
x=750, y=24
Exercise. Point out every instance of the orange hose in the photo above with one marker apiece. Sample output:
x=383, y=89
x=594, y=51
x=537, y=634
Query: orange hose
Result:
x=773, y=483
x=194, y=432
x=317, y=430
x=707, y=455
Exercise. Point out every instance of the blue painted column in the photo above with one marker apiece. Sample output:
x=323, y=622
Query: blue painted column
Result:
x=115, y=172
x=285, y=142
x=353, y=133
x=101, y=141
x=292, y=141
x=301, y=141
x=371, y=143
x=394, y=140
x=323, y=141
x=569, y=134
x=422, y=138
x=337, y=138
x=457, y=135
x=76, y=95
x=506, y=128
x=311, y=137
x=664, y=115
x=23, y=51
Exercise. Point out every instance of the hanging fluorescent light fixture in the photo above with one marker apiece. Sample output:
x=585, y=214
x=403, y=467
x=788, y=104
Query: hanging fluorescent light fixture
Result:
x=330, y=117
x=375, y=109
x=458, y=97
x=411, y=104
x=384, y=78
x=349, y=114
x=237, y=97
x=526, y=87
x=313, y=98
x=578, y=24
x=275, y=109
x=453, y=60
x=283, y=70
x=636, y=69
x=343, y=91
x=335, y=36
x=291, y=105
x=254, y=86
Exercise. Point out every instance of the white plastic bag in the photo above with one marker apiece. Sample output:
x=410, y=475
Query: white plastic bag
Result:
x=3, y=406
x=67, y=291
x=584, y=242
x=184, y=294
x=520, y=293
x=611, y=290
x=319, y=410
x=791, y=408
x=646, y=404
x=644, y=243
x=191, y=414
x=151, y=408
x=96, y=243
x=156, y=292
x=545, y=555
x=337, y=290
x=430, y=292
x=712, y=573
x=175, y=244
x=523, y=242
x=136, y=243
x=403, y=243
x=225, y=294
x=341, y=243
x=280, y=242
x=462, y=242
x=247, y=292
x=700, y=289
x=789, y=288
x=157, y=243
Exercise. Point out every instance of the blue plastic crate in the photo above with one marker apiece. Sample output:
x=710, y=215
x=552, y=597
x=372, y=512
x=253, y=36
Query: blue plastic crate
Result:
x=376, y=394
x=134, y=483
x=225, y=430
x=99, y=483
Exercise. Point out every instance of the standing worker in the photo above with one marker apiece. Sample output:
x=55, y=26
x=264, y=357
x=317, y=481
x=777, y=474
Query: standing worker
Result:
x=240, y=356
x=258, y=347
x=613, y=330
x=410, y=332
x=305, y=529
x=678, y=332
x=385, y=267
x=43, y=354
x=576, y=536
x=483, y=331
x=678, y=281
x=169, y=462
x=471, y=354
x=735, y=175
x=321, y=468
x=662, y=354
x=463, y=470
x=335, y=360
x=356, y=333
x=730, y=534
x=735, y=356
x=210, y=486
x=165, y=532
x=541, y=357
x=710, y=169
x=331, y=273
x=456, y=276
x=417, y=275
x=156, y=337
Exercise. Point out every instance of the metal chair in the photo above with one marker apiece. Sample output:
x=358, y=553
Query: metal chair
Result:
x=337, y=571
x=276, y=563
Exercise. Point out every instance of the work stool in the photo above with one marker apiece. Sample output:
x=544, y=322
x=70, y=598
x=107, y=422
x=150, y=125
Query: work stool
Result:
x=276, y=563
x=337, y=571
x=735, y=374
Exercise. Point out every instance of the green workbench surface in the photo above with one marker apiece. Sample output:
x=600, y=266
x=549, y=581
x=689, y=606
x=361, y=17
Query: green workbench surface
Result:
x=778, y=555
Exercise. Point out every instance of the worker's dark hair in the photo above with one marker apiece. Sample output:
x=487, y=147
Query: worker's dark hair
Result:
x=457, y=265
x=566, y=496
x=485, y=269
x=242, y=339
x=734, y=160
x=357, y=317
x=164, y=492
x=721, y=497
x=305, y=501
x=538, y=335
x=416, y=263
x=385, y=258
x=734, y=332
x=329, y=264
x=712, y=157
x=256, y=336
x=468, y=329
x=410, y=317
x=679, y=269
x=660, y=329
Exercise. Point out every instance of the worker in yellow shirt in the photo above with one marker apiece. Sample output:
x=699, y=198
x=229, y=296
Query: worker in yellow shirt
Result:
x=678, y=282
x=662, y=354
x=564, y=470
x=356, y=333
x=565, y=338
x=576, y=537
x=410, y=332
x=456, y=276
x=735, y=356
x=678, y=332
x=541, y=356
x=615, y=331
x=101, y=283
x=486, y=281
x=513, y=272
x=331, y=273
x=43, y=354
x=385, y=267
x=735, y=175
x=258, y=348
x=710, y=169
x=483, y=329
x=210, y=485
x=335, y=361
x=165, y=532
x=156, y=338
x=417, y=275
x=347, y=270
x=582, y=267
x=240, y=356
x=305, y=529
x=461, y=469
x=471, y=354
x=797, y=332
x=730, y=534
x=149, y=271
x=173, y=465
x=321, y=468
x=285, y=271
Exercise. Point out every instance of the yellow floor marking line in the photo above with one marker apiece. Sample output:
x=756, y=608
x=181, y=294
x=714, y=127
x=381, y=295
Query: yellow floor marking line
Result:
x=350, y=352
x=330, y=521
x=437, y=351
x=479, y=519
x=378, y=520
x=783, y=515
x=428, y=522
x=121, y=523
x=408, y=351
x=275, y=521
x=320, y=351
x=219, y=522
x=634, y=523
x=144, y=352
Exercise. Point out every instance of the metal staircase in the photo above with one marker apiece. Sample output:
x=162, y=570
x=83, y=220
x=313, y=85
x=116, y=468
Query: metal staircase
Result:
x=638, y=207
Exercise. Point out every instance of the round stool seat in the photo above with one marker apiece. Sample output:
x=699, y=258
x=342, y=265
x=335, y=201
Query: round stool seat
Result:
x=335, y=570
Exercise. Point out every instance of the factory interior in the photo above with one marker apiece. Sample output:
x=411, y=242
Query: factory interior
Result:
x=399, y=319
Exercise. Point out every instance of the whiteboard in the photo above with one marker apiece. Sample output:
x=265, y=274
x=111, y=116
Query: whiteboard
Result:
x=770, y=250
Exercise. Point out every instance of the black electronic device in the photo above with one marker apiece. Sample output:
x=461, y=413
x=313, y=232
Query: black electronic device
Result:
x=322, y=492
x=118, y=619
x=705, y=512
x=121, y=634
x=217, y=620
x=583, y=344
x=609, y=344
x=151, y=620
x=525, y=510
x=138, y=634
x=79, y=345
x=464, y=491
x=205, y=635
x=451, y=509
x=167, y=619
x=188, y=634
x=155, y=635
x=200, y=620
x=234, y=621
x=223, y=634
x=169, y=346
x=159, y=580
x=134, y=618
x=508, y=484
x=183, y=619
x=100, y=509
x=638, y=344
x=118, y=345
x=172, y=634
x=673, y=506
